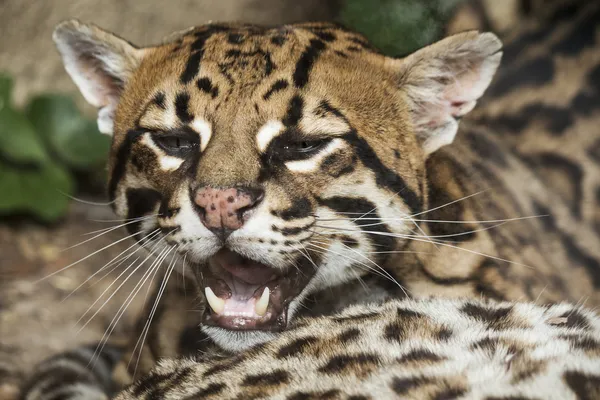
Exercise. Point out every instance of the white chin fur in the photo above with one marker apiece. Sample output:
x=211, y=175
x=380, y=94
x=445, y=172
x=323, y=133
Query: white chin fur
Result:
x=237, y=341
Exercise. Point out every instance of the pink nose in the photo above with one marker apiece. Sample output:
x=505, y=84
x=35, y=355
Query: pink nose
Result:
x=225, y=210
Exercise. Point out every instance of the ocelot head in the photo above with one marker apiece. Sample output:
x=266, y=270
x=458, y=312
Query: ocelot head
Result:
x=274, y=161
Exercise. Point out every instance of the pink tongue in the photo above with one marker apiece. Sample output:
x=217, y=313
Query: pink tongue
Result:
x=248, y=271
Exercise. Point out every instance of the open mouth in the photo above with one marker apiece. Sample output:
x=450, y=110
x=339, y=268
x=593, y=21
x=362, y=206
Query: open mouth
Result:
x=244, y=294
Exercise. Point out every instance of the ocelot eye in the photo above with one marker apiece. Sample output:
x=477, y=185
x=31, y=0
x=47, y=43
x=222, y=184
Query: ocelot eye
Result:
x=176, y=145
x=302, y=149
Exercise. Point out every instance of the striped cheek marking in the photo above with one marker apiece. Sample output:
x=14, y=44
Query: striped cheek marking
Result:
x=314, y=162
x=203, y=128
x=267, y=133
x=167, y=163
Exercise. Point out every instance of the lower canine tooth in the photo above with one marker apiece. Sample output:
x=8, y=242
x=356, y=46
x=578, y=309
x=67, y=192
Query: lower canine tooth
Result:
x=217, y=304
x=261, y=305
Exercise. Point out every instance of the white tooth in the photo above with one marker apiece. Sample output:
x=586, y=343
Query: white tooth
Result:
x=217, y=304
x=261, y=305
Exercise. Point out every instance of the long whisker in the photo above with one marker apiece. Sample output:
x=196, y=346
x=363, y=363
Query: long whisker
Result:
x=117, y=289
x=447, y=245
x=123, y=220
x=155, y=265
x=383, y=273
x=84, y=258
x=153, y=311
x=138, y=245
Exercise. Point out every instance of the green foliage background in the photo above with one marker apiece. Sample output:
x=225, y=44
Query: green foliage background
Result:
x=398, y=27
x=43, y=148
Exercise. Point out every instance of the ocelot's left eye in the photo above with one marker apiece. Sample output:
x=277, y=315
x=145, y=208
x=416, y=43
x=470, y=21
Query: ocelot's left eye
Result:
x=302, y=149
x=176, y=145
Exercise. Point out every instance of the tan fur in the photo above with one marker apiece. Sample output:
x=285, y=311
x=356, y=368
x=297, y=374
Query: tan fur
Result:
x=466, y=238
x=414, y=349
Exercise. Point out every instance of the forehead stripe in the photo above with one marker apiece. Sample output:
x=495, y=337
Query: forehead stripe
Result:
x=306, y=61
x=181, y=107
x=192, y=66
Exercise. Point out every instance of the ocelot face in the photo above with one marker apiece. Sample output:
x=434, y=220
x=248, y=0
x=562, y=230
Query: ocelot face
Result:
x=276, y=162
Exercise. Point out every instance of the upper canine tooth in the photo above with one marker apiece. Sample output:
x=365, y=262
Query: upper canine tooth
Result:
x=217, y=304
x=261, y=305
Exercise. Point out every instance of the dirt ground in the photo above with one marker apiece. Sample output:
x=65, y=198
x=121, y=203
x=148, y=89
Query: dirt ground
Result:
x=35, y=319
x=39, y=317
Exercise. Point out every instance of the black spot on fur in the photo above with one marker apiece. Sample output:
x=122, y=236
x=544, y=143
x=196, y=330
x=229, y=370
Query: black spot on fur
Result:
x=192, y=66
x=578, y=255
x=586, y=387
x=357, y=317
x=159, y=100
x=343, y=363
x=486, y=148
x=576, y=320
x=294, y=112
x=493, y=317
x=555, y=119
x=280, y=84
x=300, y=208
x=306, y=61
x=276, y=377
x=297, y=347
x=403, y=386
x=182, y=107
x=384, y=176
x=235, y=38
x=332, y=394
x=420, y=355
x=531, y=74
x=349, y=335
x=149, y=383
x=582, y=35
x=585, y=343
x=210, y=390
x=555, y=168
x=325, y=36
x=278, y=40
x=205, y=85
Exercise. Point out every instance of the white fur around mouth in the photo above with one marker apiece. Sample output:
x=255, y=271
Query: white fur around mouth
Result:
x=249, y=308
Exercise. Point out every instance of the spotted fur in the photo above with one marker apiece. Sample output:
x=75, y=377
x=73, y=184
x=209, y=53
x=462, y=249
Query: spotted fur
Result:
x=381, y=205
x=412, y=349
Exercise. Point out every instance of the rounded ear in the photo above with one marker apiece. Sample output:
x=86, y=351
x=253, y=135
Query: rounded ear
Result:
x=442, y=82
x=99, y=62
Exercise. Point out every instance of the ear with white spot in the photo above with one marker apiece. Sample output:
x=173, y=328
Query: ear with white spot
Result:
x=443, y=81
x=99, y=63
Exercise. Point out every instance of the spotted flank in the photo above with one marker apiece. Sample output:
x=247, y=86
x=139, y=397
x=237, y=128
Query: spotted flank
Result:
x=412, y=349
x=285, y=174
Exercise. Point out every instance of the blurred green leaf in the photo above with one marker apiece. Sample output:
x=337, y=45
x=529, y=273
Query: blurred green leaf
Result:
x=18, y=140
x=73, y=138
x=397, y=27
x=6, y=84
x=42, y=192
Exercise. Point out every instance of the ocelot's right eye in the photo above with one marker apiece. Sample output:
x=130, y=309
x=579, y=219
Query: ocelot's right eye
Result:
x=177, y=145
